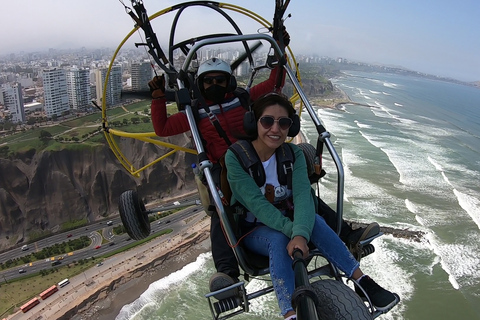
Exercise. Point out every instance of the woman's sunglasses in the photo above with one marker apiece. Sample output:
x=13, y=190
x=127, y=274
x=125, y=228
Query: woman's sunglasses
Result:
x=268, y=121
x=217, y=79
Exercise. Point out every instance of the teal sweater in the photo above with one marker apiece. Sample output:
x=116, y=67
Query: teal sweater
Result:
x=246, y=192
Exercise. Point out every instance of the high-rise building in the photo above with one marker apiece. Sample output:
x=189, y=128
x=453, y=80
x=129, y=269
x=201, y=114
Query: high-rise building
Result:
x=113, y=94
x=13, y=99
x=141, y=75
x=78, y=88
x=55, y=92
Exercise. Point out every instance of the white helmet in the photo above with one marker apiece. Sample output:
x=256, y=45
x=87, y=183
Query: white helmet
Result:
x=213, y=65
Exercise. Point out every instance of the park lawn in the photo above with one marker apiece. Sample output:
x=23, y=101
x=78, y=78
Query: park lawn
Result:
x=82, y=121
x=29, y=140
x=33, y=134
x=137, y=106
x=78, y=132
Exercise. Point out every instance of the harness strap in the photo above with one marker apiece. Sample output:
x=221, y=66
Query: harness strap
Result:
x=252, y=164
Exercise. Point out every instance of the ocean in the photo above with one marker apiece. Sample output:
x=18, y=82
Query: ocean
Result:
x=411, y=161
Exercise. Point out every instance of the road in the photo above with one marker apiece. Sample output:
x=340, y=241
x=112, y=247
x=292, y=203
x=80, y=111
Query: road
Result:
x=92, y=231
x=82, y=286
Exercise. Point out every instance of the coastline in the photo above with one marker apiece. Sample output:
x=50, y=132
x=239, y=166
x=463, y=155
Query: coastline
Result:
x=133, y=285
x=103, y=300
x=100, y=292
x=336, y=99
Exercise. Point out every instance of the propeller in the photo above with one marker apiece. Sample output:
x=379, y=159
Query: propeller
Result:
x=244, y=56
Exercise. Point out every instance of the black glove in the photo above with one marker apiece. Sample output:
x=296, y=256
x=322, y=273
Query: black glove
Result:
x=286, y=37
x=157, y=87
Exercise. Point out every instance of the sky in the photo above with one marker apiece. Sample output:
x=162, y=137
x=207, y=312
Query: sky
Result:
x=438, y=37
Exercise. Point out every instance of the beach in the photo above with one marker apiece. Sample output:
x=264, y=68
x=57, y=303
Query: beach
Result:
x=101, y=292
x=131, y=288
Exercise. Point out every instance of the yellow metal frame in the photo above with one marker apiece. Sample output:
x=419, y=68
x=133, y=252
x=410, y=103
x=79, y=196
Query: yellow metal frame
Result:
x=149, y=136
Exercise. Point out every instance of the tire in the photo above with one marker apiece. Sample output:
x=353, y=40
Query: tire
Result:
x=310, y=152
x=133, y=215
x=338, y=301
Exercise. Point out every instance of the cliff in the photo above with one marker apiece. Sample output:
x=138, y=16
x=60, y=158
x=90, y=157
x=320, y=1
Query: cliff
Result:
x=41, y=190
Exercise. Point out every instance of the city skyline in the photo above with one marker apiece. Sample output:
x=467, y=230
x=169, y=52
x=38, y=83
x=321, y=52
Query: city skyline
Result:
x=435, y=39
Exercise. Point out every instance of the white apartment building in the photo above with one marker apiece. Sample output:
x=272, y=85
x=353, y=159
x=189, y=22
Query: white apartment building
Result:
x=78, y=88
x=141, y=75
x=113, y=94
x=12, y=98
x=55, y=92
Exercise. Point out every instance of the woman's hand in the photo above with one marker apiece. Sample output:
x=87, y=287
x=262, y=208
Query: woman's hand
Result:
x=298, y=242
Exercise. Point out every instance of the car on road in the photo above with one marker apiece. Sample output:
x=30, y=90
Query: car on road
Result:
x=98, y=247
x=24, y=248
x=56, y=263
x=111, y=243
x=109, y=223
x=69, y=235
x=99, y=264
x=22, y=271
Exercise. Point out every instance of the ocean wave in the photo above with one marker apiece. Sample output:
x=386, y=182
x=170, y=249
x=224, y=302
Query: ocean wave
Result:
x=390, y=85
x=152, y=297
x=362, y=125
x=470, y=204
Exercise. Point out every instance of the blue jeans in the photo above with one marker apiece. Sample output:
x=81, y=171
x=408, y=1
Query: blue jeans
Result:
x=268, y=242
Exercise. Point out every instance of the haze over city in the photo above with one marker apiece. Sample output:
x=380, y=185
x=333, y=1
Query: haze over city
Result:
x=435, y=38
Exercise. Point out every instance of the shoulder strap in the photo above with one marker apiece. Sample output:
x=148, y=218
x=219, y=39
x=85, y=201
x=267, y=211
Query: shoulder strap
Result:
x=285, y=159
x=251, y=163
x=244, y=97
x=201, y=103
x=249, y=160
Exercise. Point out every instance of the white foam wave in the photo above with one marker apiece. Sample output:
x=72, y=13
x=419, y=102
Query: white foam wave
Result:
x=458, y=260
x=435, y=164
x=149, y=297
x=390, y=85
x=386, y=255
x=470, y=204
x=410, y=206
x=362, y=125
x=398, y=104
x=420, y=220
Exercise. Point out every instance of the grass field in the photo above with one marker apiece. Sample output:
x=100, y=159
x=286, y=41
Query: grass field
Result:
x=86, y=130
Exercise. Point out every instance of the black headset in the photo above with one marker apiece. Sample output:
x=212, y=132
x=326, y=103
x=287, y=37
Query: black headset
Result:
x=250, y=123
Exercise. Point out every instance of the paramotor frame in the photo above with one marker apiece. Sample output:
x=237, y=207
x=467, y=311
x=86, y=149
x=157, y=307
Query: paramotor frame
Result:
x=150, y=137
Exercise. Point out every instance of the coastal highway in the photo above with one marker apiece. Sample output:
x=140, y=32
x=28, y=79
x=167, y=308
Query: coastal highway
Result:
x=97, y=247
x=93, y=280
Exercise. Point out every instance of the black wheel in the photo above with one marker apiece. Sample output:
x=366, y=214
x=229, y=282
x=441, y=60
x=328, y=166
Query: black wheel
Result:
x=310, y=152
x=133, y=215
x=338, y=301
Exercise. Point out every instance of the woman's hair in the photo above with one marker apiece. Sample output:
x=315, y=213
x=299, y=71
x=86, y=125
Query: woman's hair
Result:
x=257, y=109
x=270, y=99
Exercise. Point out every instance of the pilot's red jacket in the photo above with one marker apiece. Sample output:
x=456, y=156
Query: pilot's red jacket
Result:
x=229, y=113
